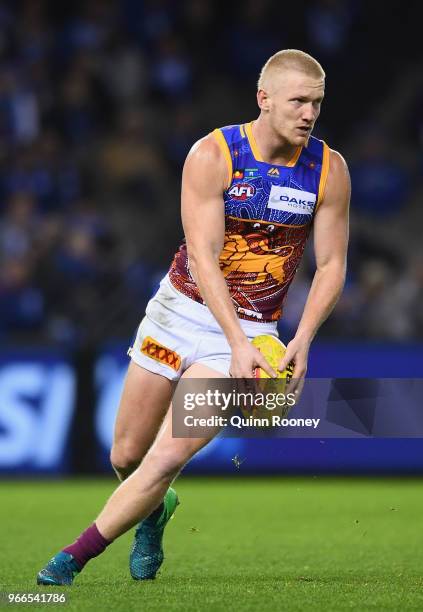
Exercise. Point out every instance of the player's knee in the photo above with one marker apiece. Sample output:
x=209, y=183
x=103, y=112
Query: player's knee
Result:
x=125, y=457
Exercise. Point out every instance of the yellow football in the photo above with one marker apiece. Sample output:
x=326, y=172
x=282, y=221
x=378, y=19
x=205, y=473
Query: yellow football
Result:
x=273, y=351
x=271, y=390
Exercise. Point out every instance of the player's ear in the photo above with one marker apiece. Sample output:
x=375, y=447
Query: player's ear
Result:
x=263, y=100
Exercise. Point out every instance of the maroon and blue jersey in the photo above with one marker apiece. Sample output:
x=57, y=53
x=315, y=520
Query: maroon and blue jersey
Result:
x=269, y=211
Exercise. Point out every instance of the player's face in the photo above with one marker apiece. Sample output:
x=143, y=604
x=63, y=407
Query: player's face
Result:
x=294, y=105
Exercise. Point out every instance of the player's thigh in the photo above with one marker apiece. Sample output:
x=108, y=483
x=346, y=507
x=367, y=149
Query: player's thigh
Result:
x=144, y=403
x=177, y=451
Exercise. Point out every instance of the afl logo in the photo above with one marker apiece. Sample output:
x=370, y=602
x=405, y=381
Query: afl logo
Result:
x=242, y=191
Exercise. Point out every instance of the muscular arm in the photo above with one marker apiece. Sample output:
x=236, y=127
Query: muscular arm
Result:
x=204, y=178
x=330, y=245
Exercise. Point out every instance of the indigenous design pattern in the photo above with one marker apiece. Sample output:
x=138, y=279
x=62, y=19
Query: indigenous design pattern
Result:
x=269, y=212
x=258, y=261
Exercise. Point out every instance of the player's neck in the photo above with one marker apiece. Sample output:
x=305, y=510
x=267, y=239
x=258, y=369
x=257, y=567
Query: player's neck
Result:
x=272, y=149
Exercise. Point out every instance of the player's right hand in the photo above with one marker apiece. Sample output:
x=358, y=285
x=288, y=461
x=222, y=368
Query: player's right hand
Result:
x=245, y=359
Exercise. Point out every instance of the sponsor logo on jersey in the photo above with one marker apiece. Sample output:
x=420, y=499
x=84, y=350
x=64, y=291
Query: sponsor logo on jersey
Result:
x=250, y=313
x=242, y=191
x=273, y=172
x=238, y=174
x=158, y=352
x=251, y=172
x=290, y=200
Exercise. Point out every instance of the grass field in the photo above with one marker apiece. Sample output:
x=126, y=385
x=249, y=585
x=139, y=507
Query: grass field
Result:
x=238, y=544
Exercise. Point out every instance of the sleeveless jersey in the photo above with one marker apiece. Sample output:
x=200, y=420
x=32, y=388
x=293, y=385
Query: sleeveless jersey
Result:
x=269, y=211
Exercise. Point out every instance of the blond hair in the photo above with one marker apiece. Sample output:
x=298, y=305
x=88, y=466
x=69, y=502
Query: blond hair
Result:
x=290, y=59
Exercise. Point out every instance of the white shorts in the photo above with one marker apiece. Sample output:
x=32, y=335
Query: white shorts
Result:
x=177, y=332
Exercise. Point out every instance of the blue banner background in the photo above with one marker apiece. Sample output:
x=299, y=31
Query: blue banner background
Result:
x=38, y=404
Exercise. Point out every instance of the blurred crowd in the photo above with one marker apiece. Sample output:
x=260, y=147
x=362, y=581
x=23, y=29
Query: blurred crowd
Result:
x=100, y=101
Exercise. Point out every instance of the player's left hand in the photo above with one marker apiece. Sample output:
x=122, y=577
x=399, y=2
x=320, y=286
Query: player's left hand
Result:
x=297, y=353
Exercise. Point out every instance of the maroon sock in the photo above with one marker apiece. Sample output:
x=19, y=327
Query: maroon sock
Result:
x=90, y=544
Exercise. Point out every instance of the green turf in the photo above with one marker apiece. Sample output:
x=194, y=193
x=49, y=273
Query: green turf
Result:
x=235, y=545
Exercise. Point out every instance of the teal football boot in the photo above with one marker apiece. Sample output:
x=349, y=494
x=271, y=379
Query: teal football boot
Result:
x=147, y=550
x=60, y=570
